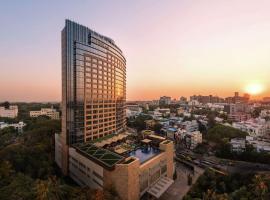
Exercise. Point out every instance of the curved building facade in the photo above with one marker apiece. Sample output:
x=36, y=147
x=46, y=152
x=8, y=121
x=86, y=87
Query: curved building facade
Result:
x=93, y=106
x=93, y=85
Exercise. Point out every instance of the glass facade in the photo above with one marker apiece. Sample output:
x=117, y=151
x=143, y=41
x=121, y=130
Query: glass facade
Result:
x=93, y=84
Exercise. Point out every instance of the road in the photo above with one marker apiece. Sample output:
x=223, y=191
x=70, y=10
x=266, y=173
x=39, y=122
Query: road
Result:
x=180, y=187
x=230, y=166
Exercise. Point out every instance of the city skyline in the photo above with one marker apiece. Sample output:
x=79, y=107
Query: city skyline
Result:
x=229, y=41
x=135, y=100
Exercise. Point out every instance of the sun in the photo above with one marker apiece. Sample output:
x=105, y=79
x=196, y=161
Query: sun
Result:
x=254, y=88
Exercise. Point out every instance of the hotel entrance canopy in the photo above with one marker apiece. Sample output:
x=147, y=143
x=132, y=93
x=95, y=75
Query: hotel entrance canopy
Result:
x=160, y=187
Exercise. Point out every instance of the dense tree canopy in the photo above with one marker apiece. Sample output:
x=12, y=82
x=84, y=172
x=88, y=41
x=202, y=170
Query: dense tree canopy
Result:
x=212, y=186
x=219, y=133
x=250, y=154
x=27, y=169
x=139, y=122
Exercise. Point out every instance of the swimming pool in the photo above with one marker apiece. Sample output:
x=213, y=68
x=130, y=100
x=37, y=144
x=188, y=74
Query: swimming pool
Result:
x=144, y=153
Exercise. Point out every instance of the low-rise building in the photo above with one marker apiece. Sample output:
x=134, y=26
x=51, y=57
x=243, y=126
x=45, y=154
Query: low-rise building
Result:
x=238, y=144
x=11, y=112
x=18, y=126
x=190, y=126
x=238, y=117
x=238, y=111
x=147, y=170
x=170, y=132
x=260, y=144
x=49, y=112
x=193, y=103
x=161, y=112
x=192, y=139
x=133, y=110
x=165, y=100
x=265, y=113
x=254, y=127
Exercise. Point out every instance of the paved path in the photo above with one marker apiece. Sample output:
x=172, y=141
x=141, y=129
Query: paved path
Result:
x=180, y=187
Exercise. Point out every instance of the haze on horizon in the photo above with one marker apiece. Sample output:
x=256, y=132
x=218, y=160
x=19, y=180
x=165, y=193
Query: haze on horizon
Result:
x=174, y=48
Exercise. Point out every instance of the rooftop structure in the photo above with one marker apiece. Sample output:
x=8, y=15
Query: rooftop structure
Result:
x=100, y=155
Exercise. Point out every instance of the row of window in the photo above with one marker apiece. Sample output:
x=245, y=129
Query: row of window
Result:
x=100, y=133
x=100, y=106
x=95, y=135
x=103, y=67
x=86, y=171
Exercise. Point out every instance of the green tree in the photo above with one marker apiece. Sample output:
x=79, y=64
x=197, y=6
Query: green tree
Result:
x=220, y=132
x=5, y=170
x=5, y=104
x=50, y=189
x=157, y=128
x=20, y=187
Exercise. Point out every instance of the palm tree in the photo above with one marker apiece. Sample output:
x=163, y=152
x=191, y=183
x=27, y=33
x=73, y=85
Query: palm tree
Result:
x=50, y=189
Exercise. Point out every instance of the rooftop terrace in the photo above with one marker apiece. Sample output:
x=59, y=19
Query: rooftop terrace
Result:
x=113, y=149
x=103, y=156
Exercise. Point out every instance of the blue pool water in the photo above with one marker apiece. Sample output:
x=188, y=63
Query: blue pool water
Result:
x=144, y=153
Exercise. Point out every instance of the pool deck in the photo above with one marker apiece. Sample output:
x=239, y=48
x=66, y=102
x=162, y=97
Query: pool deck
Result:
x=144, y=155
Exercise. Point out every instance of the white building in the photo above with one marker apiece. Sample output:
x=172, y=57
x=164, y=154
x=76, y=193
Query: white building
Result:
x=161, y=112
x=238, y=144
x=265, y=113
x=215, y=106
x=18, y=126
x=11, y=112
x=192, y=139
x=193, y=103
x=133, y=110
x=190, y=126
x=254, y=127
x=50, y=112
x=259, y=144
x=219, y=120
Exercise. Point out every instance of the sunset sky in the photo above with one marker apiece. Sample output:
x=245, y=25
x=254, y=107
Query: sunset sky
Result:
x=173, y=47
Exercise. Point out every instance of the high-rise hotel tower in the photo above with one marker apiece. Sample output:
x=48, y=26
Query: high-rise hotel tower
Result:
x=93, y=84
x=94, y=148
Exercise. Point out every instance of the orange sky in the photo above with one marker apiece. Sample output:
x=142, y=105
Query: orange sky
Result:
x=175, y=48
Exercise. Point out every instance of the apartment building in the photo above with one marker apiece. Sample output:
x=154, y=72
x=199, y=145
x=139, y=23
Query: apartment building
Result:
x=11, y=112
x=49, y=112
x=254, y=127
x=164, y=100
x=192, y=139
